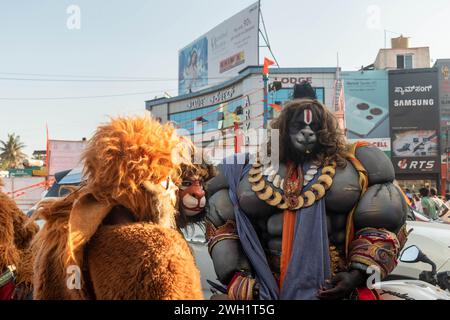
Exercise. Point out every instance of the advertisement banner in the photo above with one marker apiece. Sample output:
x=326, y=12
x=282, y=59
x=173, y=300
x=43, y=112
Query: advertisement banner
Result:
x=384, y=144
x=64, y=155
x=216, y=117
x=367, y=107
x=414, y=118
x=221, y=53
x=443, y=69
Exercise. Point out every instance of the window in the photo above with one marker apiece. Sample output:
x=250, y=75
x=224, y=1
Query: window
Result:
x=404, y=61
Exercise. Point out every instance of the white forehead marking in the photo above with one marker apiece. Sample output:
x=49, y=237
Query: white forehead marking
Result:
x=308, y=116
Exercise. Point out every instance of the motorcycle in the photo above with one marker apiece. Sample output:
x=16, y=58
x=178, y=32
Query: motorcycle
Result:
x=413, y=254
x=431, y=285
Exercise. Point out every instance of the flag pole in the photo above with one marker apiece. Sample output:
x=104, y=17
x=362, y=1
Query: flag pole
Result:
x=265, y=74
x=46, y=155
x=266, y=98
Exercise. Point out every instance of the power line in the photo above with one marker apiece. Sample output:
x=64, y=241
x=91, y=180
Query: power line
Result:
x=96, y=79
x=83, y=97
x=266, y=38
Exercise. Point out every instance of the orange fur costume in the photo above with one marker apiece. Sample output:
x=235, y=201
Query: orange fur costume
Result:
x=16, y=232
x=119, y=229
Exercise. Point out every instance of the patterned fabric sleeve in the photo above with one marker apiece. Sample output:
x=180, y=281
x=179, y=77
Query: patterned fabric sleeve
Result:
x=226, y=232
x=243, y=287
x=376, y=248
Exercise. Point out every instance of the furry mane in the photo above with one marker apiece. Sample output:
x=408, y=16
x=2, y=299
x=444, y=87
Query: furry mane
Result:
x=125, y=153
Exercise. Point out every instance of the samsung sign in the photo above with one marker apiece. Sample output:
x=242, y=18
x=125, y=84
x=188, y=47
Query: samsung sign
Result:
x=414, y=103
x=414, y=120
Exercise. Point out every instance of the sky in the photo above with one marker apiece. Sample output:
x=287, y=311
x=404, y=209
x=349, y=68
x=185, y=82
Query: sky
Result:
x=141, y=39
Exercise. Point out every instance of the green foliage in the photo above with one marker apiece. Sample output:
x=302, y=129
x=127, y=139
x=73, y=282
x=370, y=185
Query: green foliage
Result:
x=11, y=152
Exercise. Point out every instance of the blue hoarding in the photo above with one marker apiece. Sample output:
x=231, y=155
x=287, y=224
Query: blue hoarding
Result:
x=367, y=107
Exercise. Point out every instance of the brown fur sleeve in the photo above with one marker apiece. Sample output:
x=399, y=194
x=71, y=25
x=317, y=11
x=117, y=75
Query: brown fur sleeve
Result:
x=16, y=233
x=24, y=230
x=142, y=262
x=8, y=251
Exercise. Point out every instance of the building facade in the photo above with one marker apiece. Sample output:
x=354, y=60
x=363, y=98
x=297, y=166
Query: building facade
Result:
x=212, y=116
x=401, y=56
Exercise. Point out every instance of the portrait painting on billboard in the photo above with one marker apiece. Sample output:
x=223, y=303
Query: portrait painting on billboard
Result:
x=193, y=66
x=415, y=143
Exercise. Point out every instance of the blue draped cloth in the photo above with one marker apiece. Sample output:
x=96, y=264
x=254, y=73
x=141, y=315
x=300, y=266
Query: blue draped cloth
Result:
x=310, y=261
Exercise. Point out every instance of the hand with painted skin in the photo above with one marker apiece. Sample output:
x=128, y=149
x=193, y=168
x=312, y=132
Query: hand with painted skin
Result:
x=341, y=285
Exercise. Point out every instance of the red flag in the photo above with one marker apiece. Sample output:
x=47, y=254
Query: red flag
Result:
x=276, y=107
x=46, y=146
x=267, y=63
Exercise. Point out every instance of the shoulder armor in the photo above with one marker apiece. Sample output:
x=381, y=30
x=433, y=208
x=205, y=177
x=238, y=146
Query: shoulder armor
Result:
x=345, y=190
x=377, y=164
x=220, y=208
x=382, y=206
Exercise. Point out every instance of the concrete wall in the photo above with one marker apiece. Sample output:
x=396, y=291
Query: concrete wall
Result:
x=387, y=58
x=160, y=111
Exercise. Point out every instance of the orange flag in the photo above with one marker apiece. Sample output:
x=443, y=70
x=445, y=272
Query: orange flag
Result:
x=267, y=63
x=276, y=107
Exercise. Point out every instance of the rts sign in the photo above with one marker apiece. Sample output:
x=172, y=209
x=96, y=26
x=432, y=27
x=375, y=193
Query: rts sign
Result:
x=415, y=165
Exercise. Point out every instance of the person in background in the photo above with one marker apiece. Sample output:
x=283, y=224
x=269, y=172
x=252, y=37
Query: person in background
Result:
x=417, y=203
x=428, y=205
x=441, y=207
x=447, y=199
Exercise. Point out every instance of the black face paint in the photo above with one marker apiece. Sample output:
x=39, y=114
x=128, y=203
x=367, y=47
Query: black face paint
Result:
x=303, y=128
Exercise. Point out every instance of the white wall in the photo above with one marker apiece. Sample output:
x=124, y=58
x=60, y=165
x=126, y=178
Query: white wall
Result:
x=387, y=58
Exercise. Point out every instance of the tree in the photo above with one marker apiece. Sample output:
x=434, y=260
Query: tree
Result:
x=11, y=151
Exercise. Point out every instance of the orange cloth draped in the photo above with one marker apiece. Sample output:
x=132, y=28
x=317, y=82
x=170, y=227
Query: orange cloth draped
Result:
x=289, y=218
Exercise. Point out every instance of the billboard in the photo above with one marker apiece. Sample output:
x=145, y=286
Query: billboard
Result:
x=414, y=118
x=64, y=155
x=221, y=53
x=367, y=107
x=443, y=69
